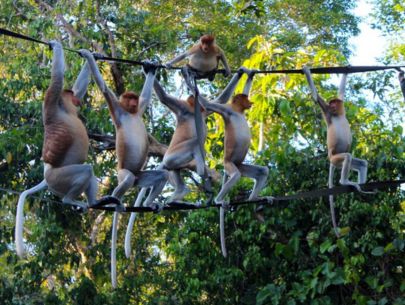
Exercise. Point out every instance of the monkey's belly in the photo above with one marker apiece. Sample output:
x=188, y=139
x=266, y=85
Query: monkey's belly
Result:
x=205, y=64
x=339, y=139
x=132, y=145
x=237, y=141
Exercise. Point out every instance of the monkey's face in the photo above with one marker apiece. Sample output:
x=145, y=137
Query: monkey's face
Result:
x=205, y=47
x=242, y=101
x=206, y=43
x=130, y=101
x=336, y=106
x=131, y=105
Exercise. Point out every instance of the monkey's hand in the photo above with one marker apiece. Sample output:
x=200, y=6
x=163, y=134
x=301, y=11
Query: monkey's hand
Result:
x=97, y=55
x=149, y=66
x=242, y=70
x=53, y=44
x=85, y=53
x=252, y=73
x=306, y=69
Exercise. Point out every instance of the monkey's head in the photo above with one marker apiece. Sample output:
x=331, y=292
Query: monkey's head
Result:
x=129, y=101
x=336, y=106
x=206, y=43
x=241, y=102
x=191, y=101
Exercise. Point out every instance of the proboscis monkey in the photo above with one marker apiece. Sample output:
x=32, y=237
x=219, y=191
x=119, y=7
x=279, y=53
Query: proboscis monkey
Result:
x=236, y=145
x=204, y=58
x=184, y=146
x=131, y=144
x=339, y=140
x=65, y=145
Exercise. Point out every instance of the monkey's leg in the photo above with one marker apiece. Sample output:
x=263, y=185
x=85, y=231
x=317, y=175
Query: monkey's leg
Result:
x=346, y=166
x=71, y=181
x=234, y=175
x=360, y=166
x=155, y=179
x=178, y=157
x=181, y=189
x=256, y=172
x=126, y=180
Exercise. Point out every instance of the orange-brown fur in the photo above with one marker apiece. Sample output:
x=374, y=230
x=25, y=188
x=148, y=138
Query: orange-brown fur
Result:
x=65, y=141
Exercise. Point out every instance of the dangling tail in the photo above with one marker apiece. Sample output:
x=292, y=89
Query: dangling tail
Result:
x=331, y=202
x=131, y=222
x=222, y=230
x=19, y=223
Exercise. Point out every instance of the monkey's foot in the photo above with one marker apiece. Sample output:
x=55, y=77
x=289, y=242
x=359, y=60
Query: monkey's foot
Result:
x=178, y=195
x=106, y=200
x=156, y=207
x=77, y=205
x=356, y=186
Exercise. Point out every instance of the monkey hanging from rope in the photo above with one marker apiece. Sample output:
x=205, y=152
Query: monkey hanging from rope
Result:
x=131, y=144
x=184, y=149
x=236, y=146
x=65, y=147
x=339, y=140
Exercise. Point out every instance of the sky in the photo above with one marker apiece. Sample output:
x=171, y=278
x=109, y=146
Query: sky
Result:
x=369, y=44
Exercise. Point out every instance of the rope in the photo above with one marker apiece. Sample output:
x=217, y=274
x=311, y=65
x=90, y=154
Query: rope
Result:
x=338, y=190
x=184, y=206
x=320, y=70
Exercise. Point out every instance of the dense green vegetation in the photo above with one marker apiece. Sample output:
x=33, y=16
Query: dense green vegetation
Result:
x=293, y=257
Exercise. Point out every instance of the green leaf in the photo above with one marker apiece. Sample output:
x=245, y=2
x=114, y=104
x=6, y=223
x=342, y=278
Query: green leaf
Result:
x=379, y=251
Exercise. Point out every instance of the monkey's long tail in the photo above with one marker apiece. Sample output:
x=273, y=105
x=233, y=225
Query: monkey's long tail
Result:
x=19, y=225
x=222, y=230
x=114, y=249
x=131, y=223
x=331, y=202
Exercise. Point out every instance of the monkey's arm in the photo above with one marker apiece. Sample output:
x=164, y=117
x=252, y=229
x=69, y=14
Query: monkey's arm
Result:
x=57, y=73
x=214, y=107
x=82, y=81
x=170, y=101
x=222, y=58
x=225, y=95
x=249, y=82
x=315, y=96
x=342, y=87
x=146, y=94
x=178, y=58
x=110, y=97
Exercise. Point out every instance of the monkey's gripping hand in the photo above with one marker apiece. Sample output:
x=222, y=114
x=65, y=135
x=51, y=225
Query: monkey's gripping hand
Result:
x=149, y=66
x=242, y=70
x=53, y=44
x=85, y=53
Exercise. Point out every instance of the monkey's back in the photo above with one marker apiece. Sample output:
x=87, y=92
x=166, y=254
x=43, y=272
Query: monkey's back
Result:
x=66, y=141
